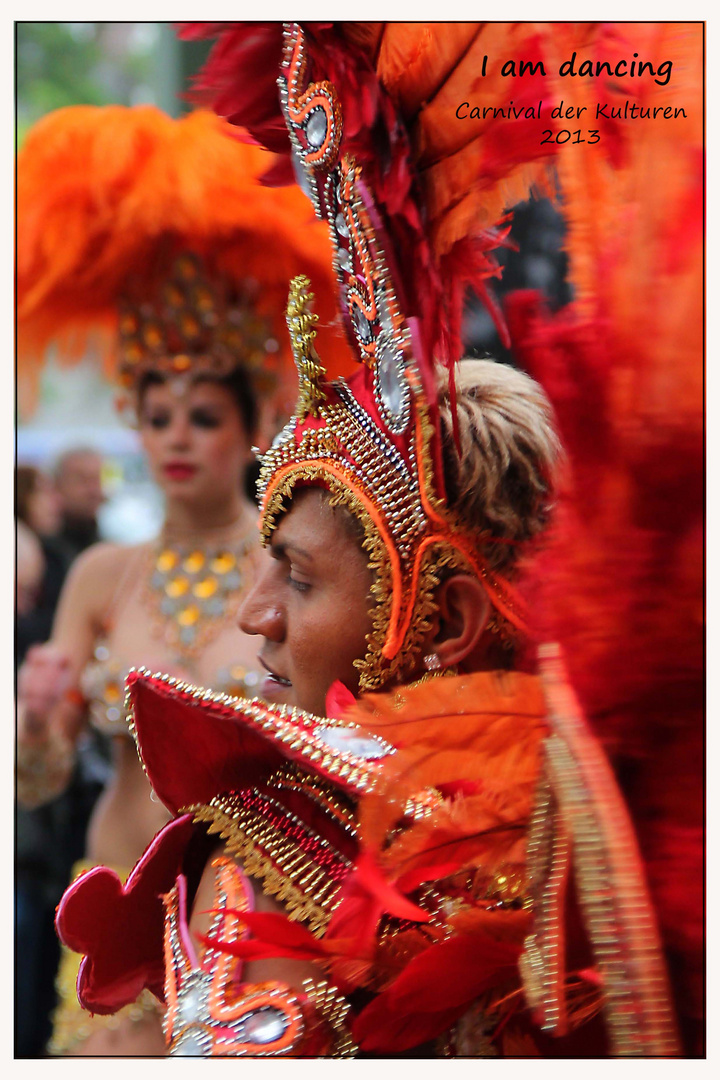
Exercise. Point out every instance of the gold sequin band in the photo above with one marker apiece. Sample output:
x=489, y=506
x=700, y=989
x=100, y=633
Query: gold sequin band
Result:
x=292, y=862
x=608, y=870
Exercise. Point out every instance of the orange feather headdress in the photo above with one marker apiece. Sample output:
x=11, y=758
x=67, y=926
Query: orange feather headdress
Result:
x=150, y=240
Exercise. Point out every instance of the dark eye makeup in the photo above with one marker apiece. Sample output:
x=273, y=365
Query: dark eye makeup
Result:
x=157, y=419
x=204, y=418
x=200, y=417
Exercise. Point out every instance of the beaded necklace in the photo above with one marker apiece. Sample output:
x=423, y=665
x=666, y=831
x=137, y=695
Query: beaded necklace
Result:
x=194, y=585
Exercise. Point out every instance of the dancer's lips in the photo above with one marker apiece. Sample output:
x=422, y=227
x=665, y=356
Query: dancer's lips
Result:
x=273, y=679
x=179, y=470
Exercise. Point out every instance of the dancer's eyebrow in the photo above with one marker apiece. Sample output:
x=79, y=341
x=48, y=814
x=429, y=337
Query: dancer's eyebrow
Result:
x=282, y=548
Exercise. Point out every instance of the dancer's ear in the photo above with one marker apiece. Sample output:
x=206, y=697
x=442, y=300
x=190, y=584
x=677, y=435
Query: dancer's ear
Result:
x=463, y=610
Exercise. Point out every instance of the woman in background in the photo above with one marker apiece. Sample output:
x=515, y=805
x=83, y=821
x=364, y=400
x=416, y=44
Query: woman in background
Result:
x=155, y=235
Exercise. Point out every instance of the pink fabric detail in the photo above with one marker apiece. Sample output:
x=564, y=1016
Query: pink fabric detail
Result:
x=183, y=929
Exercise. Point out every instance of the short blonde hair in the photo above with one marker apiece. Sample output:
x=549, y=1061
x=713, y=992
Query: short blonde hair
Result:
x=504, y=477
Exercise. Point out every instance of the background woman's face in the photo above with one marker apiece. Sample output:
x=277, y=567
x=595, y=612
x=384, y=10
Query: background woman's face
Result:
x=311, y=604
x=195, y=441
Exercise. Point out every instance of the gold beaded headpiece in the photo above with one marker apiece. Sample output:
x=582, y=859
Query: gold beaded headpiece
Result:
x=196, y=327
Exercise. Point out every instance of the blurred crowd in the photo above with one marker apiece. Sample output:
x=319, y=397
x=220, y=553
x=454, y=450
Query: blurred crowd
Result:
x=57, y=518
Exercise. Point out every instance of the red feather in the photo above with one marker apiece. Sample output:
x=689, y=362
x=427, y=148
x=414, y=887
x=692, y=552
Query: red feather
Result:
x=458, y=970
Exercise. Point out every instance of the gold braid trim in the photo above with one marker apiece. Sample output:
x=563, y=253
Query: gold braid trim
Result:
x=284, y=870
x=372, y=674
x=542, y=962
x=612, y=892
x=333, y=1008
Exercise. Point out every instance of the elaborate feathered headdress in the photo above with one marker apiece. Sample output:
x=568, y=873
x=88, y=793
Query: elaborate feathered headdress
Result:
x=414, y=206
x=151, y=240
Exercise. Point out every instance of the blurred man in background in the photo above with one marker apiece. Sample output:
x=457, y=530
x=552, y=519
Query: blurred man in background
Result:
x=39, y=512
x=78, y=479
x=29, y=570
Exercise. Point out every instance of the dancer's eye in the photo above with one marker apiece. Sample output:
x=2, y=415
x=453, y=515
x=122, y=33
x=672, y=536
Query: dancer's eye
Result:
x=205, y=418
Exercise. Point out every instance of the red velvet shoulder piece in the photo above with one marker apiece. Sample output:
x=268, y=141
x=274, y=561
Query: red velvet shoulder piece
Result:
x=119, y=928
x=195, y=744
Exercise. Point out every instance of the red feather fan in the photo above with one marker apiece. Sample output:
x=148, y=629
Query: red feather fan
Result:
x=621, y=587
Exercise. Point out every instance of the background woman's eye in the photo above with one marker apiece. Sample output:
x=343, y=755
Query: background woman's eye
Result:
x=157, y=420
x=203, y=418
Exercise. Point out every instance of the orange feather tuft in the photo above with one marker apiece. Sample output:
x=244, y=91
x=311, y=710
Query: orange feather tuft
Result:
x=100, y=190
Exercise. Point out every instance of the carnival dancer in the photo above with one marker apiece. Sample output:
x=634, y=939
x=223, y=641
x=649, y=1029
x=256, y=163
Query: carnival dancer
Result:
x=149, y=240
x=425, y=850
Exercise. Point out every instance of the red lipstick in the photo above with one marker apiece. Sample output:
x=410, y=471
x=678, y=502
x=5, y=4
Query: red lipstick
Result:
x=179, y=470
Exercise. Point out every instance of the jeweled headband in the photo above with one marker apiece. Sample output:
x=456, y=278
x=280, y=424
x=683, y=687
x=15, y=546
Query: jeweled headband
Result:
x=195, y=325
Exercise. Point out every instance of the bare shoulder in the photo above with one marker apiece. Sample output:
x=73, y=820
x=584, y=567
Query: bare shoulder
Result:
x=100, y=559
x=95, y=573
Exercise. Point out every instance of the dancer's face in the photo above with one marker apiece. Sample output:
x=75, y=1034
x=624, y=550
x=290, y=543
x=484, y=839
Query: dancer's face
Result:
x=195, y=440
x=311, y=604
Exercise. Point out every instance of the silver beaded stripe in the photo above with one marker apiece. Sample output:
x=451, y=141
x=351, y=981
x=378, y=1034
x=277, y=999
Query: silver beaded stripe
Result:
x=292, y=727
x=365, y=255
x=396, y=495
x=389, y=453
x=202, y=1024
x=397, y=340
x=230, y=929
x=398, y=498
x=180, y=970
x=290, y=35
x=333, y=209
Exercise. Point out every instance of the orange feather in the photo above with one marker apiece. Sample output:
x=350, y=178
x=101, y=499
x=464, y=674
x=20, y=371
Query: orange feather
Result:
x=98, y=189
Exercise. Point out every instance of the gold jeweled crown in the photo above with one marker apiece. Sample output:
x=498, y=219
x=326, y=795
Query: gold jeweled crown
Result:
x=195, y=326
